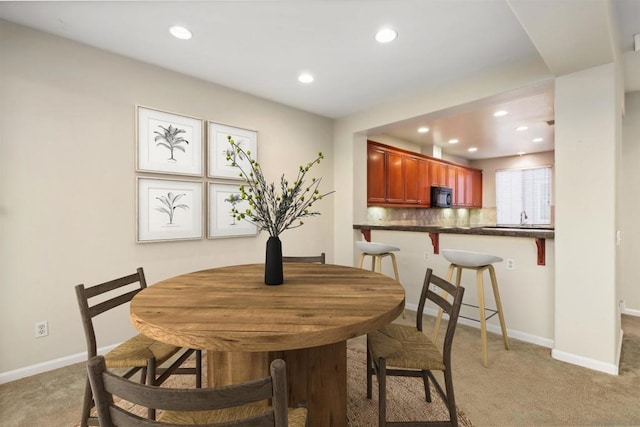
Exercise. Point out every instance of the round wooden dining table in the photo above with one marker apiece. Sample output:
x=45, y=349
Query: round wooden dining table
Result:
x=244, y=324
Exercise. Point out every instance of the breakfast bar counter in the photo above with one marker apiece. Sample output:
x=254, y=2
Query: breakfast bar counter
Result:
x=539, y=233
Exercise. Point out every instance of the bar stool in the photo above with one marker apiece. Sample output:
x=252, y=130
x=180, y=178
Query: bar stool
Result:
x=479, y=262
x=378, y=252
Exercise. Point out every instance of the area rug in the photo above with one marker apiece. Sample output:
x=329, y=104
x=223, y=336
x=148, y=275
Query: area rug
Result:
x=405, y=397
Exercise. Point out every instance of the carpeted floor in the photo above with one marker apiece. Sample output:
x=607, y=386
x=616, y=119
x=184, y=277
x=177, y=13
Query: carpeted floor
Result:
x=405, y=397
x=521, y=387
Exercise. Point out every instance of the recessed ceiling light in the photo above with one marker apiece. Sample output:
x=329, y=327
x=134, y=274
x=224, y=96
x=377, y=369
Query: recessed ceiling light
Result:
x=386, y=35
x=520, y=153
x=537, y=139
x=180, y=32
x=423, y=129
x=521, y=128
x=453, y=141
x=500, y=113
x=472, y=149
x=305, y=78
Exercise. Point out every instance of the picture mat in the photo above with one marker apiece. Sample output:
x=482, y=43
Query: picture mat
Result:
x=218, y=147
x=154, y=158
x=221, y=222
x=154, y=225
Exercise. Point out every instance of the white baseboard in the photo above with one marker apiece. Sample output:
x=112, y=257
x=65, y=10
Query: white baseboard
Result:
x=619, y=352
x=49, y=365
x=585, y=362
x=630, y=311
x=522, y=336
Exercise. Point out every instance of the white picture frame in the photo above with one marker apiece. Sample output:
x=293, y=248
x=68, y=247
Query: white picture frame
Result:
x=218, y=145
x=168, y=209
x=168, y=143
x=220, y=222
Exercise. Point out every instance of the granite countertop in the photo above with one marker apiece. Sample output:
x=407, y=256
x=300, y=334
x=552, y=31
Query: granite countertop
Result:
x=542, y=232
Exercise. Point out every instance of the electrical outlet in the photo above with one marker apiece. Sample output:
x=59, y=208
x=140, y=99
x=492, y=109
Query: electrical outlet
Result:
x=426, y=256
x=511, y=264
x=42, y=329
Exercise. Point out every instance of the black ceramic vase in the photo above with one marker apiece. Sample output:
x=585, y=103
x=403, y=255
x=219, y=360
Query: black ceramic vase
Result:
x=273, y=262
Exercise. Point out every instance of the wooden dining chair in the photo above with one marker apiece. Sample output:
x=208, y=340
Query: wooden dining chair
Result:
x=139, y=353
x=318, y=259
x=403, y=350
x=241, y=404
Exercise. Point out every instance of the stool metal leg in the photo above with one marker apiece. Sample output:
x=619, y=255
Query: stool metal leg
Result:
x=496, y=295
x=483, y=320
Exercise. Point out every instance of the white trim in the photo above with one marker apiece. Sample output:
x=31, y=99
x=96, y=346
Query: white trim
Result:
x=522, y=336
x=619, y=352
x=630, y=311
x=49, y=365
x=585, y=362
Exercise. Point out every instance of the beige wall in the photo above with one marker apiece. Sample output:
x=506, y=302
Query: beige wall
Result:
x=589, y=235
x=630, y=205
x=67, y=174
x=588, y=119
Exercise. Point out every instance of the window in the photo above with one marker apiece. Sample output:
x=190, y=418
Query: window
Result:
x=524, y=190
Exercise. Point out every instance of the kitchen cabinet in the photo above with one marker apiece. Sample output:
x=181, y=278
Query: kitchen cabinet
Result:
x=393, y=178
x=462, y=186
x=476, y=188
x=424, y=182
x=376, y=174
x=411, y=180
x=439, y=175
x=400, y=178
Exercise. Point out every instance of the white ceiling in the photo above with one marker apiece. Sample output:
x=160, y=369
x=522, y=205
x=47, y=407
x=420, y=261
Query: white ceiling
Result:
x=260, y=47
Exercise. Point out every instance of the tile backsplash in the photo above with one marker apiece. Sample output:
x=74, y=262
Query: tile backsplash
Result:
x=458, y=217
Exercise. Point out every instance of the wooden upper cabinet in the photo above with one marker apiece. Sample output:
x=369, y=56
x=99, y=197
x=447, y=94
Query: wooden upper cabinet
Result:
x=438, y=174
x=424, y=182
x=376, y=174
x=411, y=180
x=476, y=190
x=400, y=178
x=460, y=190
x=395, y=177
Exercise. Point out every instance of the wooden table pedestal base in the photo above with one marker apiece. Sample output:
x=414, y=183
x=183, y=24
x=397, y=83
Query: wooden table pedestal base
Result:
x=317, y=376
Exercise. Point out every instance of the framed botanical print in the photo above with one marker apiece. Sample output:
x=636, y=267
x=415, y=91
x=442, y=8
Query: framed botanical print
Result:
x=168, y=209
x=221, y=222
x=168, y=143
x=218, y=147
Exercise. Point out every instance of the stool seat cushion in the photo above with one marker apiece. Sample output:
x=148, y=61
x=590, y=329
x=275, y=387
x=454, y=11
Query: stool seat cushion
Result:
x=375, y=248
x=469, y=259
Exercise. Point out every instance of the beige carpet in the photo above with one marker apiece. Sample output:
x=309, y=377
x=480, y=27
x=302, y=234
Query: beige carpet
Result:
x=405, y=397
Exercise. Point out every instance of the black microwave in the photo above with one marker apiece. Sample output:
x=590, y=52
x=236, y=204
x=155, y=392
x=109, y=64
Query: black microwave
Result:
x=441, y=197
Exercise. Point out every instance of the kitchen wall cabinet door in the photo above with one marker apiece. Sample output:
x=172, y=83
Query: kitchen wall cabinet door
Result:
x=424, y=182
x=411, y=180
x=376, y=174
x=476, y=188
x=460, y=190
x=438, y=174
x=395, y=177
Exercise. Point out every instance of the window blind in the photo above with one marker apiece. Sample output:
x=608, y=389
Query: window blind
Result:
x=524, y=190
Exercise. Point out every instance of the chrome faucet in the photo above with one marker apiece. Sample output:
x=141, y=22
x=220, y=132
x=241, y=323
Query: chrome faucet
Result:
x=523, y=217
